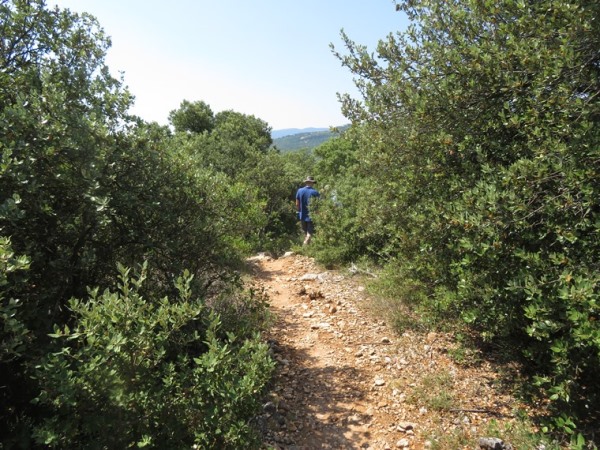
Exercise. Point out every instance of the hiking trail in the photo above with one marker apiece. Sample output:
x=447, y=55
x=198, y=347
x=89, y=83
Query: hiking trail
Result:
x=345, y=380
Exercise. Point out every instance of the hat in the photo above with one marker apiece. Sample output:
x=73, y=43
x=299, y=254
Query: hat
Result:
x=309, y=180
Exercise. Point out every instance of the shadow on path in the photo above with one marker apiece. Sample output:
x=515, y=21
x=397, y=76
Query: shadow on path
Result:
x=317, y=401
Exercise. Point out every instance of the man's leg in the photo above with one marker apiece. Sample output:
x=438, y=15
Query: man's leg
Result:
x=305, y=230
x=309, y=231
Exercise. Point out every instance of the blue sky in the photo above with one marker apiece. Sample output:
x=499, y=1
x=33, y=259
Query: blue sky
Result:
x=268, y=58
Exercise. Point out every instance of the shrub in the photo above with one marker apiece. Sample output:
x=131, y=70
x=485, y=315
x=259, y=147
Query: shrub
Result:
x=479, y=136
x=137, y=372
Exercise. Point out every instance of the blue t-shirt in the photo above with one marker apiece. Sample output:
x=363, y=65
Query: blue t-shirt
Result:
x=304, y=195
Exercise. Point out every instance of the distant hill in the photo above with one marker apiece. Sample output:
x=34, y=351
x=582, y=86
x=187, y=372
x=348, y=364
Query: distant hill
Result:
x=304, y=139
x=276, y=134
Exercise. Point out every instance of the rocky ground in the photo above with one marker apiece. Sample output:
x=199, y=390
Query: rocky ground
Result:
x=345, y=380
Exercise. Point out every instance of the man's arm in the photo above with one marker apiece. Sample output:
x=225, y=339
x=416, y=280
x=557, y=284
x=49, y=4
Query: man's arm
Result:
x=297, y=204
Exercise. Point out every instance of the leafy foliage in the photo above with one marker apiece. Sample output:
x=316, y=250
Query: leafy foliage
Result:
x=191, y=117
x=85, y=187
x=13, y=333
x=350, y=215
x=479, y=155
x=149, y=373
x=238, y=149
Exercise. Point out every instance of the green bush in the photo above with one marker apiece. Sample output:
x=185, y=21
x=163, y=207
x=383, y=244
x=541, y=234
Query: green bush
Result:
x=479, y=153
x=13, y=333
x=85, y=185
x=237, y=148
x=132, y=372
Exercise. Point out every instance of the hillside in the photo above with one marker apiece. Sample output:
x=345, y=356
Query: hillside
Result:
x=311, y=139
x=276, y=134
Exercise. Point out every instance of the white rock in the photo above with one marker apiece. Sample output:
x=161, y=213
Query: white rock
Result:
x=403, y=443
x=309, y=277
x=259, y=257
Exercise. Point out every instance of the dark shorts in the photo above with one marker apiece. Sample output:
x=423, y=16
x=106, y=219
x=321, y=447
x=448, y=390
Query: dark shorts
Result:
x=308, y=227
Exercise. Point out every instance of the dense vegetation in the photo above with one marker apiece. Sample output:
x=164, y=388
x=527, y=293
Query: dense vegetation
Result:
x=472, y=174
x=122, y=320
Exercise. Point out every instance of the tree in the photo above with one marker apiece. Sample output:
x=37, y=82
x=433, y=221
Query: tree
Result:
x=60, y=109
x=260, y=216
x=193, y=117
x=480, y=141
x=84, y=186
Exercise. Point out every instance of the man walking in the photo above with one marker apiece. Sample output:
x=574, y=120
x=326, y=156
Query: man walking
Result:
x=303, y=197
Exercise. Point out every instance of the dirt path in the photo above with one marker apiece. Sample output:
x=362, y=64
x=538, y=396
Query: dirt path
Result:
x=345, y=381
